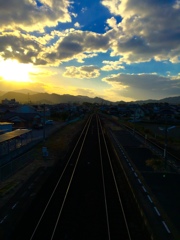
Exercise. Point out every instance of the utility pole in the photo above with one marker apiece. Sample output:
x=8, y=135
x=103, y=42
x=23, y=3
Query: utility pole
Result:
x=44, y=132
x=44, y=148
x=166, y=129
x=165, y=148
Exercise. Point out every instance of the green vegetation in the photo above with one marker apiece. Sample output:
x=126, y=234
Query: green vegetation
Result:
x=156, y=163
x=59, y=116
x=7, y=188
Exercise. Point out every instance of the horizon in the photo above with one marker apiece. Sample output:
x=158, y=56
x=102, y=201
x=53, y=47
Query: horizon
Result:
x=31, y=93
x=111, y=49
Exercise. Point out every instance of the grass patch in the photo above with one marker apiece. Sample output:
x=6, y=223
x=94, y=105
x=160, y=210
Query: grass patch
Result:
x=7, y=188
x=58, y=143
x=156, y=163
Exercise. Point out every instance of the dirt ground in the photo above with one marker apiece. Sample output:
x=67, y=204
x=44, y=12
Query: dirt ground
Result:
x=57, y=145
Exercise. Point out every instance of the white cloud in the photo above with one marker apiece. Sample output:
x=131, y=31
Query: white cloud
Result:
x=77, y=25
x=177, y=4
x=113, y=6
x=68, y=45
x=84, y=9
x=78, y=45
x=22, y=47
x=112, y=22
x=149, y=29
x=82, y=72
x=26, y=14
x=74, y=15
x=112, y=65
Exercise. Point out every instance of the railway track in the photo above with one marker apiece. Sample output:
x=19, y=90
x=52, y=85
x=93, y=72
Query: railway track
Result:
x=84, y=201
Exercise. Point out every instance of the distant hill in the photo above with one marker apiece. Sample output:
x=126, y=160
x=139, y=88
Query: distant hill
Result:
x=170, y=100
x=40, y=98
x=2, y=93
x=27, y=96
x=25, y=91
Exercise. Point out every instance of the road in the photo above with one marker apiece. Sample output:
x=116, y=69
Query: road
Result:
x=161, y=187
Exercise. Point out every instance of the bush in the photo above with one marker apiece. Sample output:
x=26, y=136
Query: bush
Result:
x=155, y=163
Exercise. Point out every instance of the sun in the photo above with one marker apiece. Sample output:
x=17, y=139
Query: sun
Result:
x=12, y=70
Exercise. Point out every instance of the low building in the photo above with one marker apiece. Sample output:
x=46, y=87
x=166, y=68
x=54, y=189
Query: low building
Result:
x=5, y=127
x=10, y=103
x=13, y=144
x=24, y=120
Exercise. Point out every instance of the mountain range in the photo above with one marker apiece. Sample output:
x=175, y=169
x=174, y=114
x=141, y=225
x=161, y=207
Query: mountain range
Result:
x=28, y=96
x=41, y=98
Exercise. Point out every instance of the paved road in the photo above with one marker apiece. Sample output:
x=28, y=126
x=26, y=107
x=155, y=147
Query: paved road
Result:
x=164, y=187
x=40, y=134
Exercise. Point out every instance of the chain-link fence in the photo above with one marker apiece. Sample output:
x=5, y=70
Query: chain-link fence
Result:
x=13, y=163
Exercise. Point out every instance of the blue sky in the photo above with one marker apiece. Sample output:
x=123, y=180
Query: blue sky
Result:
x=113, y=49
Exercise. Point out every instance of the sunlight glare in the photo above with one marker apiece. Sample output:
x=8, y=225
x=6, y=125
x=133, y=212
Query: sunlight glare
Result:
x=12, y=70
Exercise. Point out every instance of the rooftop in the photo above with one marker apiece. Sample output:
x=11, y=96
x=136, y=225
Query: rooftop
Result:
x=6, y=123
x=10, y=135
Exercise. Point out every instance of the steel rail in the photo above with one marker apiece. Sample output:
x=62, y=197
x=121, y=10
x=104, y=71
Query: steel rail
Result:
x=85, y=130
x=78, y=148
x=116, y=186
x=70, y=181
x=104, y=188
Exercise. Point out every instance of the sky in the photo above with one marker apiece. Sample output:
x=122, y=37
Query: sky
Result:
x=114, y=49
